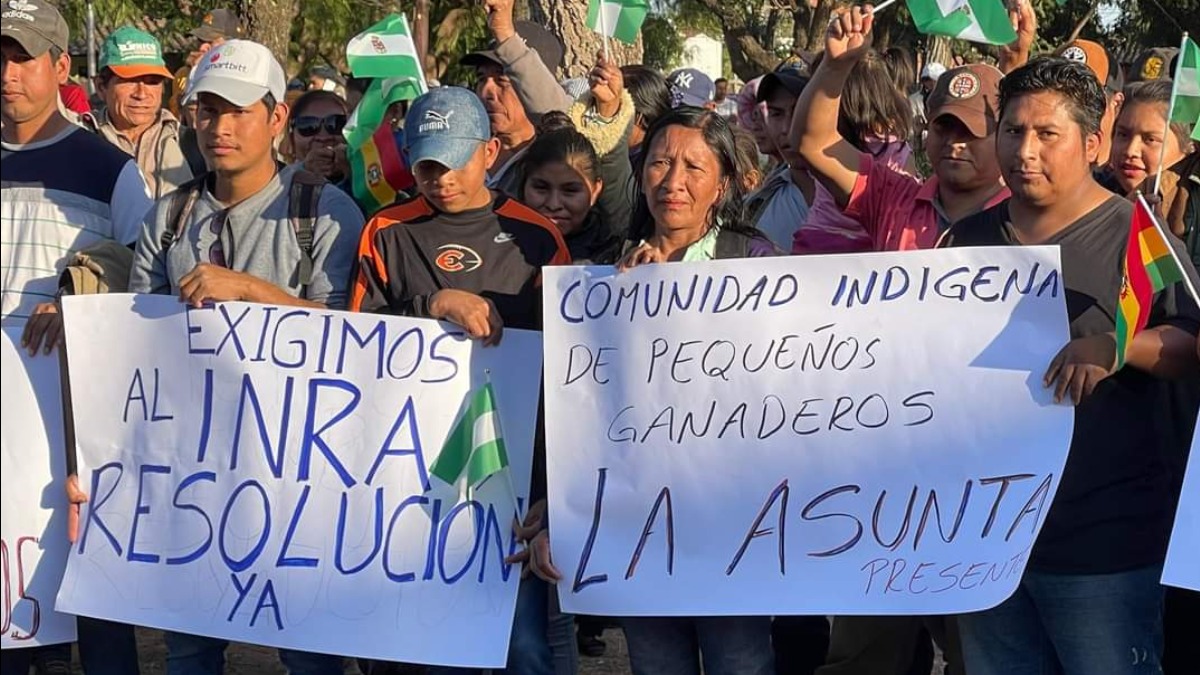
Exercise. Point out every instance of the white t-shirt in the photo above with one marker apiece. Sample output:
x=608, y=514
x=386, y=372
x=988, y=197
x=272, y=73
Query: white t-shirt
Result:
x=60, y=196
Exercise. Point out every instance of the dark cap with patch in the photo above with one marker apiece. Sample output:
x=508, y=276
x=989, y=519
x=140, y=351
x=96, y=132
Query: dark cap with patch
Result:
x=1099, y=60
x=971, y=94
x=789, y=78
x=534, y=36
x=1153, y=64
x=36, y=25
x=217, y=25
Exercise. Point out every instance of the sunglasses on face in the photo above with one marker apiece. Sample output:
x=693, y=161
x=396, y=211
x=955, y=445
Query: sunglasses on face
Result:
x=310, y=125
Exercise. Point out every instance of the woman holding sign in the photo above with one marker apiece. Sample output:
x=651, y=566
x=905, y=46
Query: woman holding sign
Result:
x=689, y=209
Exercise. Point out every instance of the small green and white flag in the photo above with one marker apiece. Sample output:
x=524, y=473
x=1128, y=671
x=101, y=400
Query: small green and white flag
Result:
x=983, y=21
x=386, y=50
x=475, y=444
x=1185, y=98
x=620, y=19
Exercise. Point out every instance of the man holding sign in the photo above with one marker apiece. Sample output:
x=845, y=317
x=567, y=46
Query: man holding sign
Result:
x=231, y=235
x=1090, y=597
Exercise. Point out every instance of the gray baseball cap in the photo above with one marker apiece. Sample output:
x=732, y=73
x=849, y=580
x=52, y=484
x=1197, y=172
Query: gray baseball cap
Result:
x=445, y=125
x=36, y=26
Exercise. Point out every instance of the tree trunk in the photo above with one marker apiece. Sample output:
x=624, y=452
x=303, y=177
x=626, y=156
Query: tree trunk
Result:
x=938, y=51
x=567, y=19
x=420, y=29
x=808, y=26
x=270, y=22
x=747, y=56
x=1082, y=22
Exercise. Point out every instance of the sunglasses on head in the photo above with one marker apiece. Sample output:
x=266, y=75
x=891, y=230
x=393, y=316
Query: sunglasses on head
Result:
x=310, y=125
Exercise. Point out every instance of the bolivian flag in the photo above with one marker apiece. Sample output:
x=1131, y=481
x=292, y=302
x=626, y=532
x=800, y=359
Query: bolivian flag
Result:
x=377, y=171
x=1150, y=266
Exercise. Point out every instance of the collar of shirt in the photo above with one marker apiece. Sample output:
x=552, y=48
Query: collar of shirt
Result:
x=929, y=193
x=496, y=176
x=705, y=249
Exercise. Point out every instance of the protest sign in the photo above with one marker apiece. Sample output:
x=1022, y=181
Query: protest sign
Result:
x=1182, y=567
x=33, y=546
x=819, y=435
x=264, y=474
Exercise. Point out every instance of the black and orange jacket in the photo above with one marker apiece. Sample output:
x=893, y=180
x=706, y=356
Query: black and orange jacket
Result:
x=410, y=251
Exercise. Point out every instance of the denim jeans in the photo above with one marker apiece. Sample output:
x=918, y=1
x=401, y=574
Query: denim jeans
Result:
x=529, y=647
x=201, y=655
x=1067, y=624
x=677, y=645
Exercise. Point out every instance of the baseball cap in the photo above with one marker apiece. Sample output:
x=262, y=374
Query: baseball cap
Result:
x=534, y=36
x=691, y=87
x=129, y=53
x=933, y=71
x=1099, y=60
x=971, y=94
x=790, y=78
x=445, y=125
x=1153, y=64
x=36, y=26
x=239, y=71
x=217, y=24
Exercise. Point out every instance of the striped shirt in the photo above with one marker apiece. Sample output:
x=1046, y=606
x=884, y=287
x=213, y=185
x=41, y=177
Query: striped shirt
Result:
x=57, y=197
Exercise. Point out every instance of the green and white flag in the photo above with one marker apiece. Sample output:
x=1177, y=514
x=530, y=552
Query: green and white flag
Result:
x=1185, y=97
x=386, y=50
x=974, y=20
x=475, y=445
x=620, y=19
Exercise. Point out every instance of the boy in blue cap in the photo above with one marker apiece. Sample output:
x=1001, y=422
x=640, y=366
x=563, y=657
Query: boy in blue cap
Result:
x=460, y=252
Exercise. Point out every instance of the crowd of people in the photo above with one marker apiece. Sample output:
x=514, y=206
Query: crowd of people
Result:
x=243, y=194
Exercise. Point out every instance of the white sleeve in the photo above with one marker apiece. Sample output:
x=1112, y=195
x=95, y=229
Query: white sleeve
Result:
x=129, y=203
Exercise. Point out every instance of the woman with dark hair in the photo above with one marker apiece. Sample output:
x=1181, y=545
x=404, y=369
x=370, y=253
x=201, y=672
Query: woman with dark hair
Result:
x=651, y=100
x=691, y=197
x=563, y=178
x=315, y=135
x=1139, y=144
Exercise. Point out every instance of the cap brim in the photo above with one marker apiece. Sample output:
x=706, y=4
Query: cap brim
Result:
x=971, y=119
x=452, y=153
x=484, y=58
x=33, y=42
x=130, y=72
x=241, y=94
x=206, y=34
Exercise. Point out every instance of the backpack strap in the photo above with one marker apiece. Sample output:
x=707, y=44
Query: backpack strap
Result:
x=303, y=201
x=178, y=210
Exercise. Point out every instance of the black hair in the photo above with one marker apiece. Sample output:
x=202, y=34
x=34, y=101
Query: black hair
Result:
x=308, y=98
x=648, y=88
x=358, y=85
x=718, y=135
x=1158, y=92
x=1072, y=80
x=719, y=80
x=747, y=156
x=558, y=140
x=900, y=68
x=872, y=105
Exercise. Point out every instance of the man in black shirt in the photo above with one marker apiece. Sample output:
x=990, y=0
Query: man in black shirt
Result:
x=1090, y=600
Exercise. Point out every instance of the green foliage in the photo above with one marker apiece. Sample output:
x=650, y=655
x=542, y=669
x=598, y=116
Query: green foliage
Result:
x=662, y=43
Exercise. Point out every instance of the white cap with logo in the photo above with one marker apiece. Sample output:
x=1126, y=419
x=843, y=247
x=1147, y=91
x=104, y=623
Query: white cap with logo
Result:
x=239, y=71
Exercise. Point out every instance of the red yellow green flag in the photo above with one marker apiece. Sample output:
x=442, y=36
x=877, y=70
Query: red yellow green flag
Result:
x=1150, y=266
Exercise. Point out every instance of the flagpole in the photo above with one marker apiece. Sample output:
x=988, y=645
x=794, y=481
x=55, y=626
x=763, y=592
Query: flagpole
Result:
x=604, y=31
x=1171, y=109
x=882, y=6
x=512, y=490
x=1187, y=282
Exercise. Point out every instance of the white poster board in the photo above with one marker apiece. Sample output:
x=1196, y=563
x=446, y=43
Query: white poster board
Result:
x=1182, y=567
x=33, y=502
x=803, y=435
x=333, y=539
